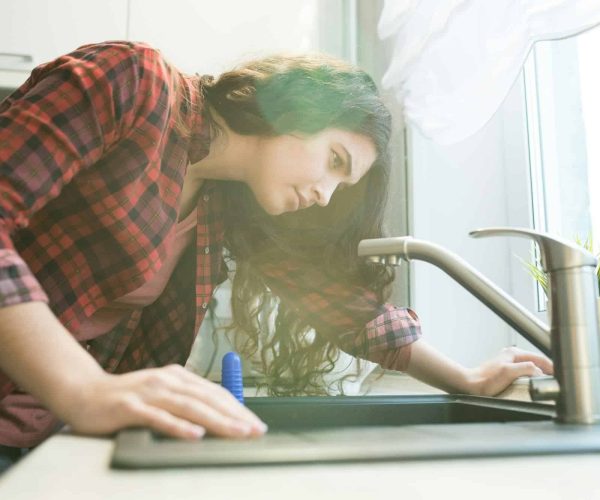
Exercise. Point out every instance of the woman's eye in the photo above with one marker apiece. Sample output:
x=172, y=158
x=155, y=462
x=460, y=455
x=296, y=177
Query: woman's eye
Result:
x=336, y=160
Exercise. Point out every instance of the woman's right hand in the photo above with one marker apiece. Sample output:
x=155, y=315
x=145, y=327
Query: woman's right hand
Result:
x=46, y=361
x=170, y=400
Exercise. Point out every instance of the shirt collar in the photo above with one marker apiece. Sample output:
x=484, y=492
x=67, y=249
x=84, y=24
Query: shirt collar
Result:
x=199, y=127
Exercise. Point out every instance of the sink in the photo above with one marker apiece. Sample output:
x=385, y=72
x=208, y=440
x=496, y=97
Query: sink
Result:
x=313, y=413
x=369, y=428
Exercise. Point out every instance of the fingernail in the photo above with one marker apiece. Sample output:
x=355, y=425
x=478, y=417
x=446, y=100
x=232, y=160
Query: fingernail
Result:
x=197, y=431
x=261, y=427
x=242, y=428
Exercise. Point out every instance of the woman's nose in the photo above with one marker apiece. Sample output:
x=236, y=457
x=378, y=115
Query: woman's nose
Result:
x=324, y=193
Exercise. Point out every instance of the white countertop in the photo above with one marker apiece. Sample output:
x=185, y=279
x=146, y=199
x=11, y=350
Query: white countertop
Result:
x=73, y=467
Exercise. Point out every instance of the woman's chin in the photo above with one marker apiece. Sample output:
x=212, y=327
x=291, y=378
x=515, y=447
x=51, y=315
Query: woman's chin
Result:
x=279, y=209
x=272, y=210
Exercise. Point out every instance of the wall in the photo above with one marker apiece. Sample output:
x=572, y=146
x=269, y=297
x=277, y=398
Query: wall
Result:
x=480, y=182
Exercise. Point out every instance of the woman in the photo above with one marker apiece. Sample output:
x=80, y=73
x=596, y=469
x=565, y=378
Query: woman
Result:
x=121, y=182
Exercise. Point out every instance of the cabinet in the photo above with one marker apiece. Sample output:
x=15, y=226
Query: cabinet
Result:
x=196, y=35
x=210, y=37
x=36, y=31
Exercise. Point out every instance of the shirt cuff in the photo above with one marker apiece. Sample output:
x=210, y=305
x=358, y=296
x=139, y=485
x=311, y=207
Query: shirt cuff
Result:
x=393, y=327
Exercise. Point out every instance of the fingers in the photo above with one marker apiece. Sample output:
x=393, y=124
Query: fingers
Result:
x=198, y=412
x=161, y=420
x=494, y=376
x=524, y=369
x=214, y=395
x=201, y=402
x=542, y=362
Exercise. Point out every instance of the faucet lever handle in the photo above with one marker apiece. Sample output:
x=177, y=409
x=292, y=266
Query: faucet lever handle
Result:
x=556, y=253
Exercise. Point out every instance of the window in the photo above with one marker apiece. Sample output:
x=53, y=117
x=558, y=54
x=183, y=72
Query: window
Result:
x=561, y=82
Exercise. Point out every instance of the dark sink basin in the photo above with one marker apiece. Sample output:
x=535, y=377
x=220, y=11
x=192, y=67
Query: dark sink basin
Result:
x=369, y=428
x=313, y=413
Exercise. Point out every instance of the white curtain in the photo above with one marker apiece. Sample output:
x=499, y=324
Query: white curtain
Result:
x=454, y=61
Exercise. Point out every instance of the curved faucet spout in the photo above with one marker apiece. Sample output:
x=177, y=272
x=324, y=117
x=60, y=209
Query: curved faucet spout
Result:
x=495, y=298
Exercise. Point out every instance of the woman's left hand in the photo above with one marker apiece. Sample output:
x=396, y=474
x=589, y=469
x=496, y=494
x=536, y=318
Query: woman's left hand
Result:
x=495, y=375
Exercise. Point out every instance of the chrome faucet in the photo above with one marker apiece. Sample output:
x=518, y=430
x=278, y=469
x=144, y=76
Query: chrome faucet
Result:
x=573, y=338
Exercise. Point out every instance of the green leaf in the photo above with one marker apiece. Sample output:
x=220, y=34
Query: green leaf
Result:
x=542, y=278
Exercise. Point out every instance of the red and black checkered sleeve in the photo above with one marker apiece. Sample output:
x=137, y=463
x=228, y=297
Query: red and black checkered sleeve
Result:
x=350, y=316
x=60, y=121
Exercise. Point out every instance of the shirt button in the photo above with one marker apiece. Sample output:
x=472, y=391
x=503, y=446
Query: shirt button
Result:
x=204, y=305
x=206, y=250
x=206, y=197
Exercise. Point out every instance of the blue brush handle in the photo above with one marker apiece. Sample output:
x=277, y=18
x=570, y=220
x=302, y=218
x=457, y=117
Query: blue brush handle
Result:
x=231, y=375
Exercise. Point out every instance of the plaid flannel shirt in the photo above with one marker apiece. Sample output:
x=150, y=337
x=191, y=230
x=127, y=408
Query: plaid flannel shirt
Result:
x=91, y=169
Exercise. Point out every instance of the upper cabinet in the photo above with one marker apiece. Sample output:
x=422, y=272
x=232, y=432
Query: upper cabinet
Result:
x=36, y=31
x=198, y=36
x=210, y=37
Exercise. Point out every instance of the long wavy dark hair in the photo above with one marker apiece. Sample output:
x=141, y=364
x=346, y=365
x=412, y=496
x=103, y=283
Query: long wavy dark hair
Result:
x=299, y=94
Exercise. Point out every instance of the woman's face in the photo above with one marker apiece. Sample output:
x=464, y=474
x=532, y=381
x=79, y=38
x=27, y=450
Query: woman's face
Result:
x=293, y=171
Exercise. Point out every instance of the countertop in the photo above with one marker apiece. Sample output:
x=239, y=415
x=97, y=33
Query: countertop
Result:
x=74, y=467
